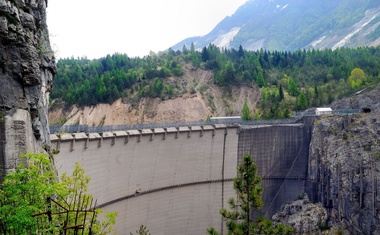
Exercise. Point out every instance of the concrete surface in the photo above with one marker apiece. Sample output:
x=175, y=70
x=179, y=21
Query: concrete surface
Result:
x=179, y=174
x=174, y=180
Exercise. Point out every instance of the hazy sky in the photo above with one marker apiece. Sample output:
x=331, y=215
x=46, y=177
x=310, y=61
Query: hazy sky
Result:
x=95, y=28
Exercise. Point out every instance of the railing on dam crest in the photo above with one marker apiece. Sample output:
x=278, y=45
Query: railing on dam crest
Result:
x=213, y=121
x=100, y=129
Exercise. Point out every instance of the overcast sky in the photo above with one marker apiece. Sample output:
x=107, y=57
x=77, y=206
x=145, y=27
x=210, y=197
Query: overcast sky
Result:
x=95, y=28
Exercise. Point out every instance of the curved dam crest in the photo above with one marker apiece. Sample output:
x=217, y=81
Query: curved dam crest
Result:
x=175, y=180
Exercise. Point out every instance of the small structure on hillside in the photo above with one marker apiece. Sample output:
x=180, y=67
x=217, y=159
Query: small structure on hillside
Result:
x=323, y=111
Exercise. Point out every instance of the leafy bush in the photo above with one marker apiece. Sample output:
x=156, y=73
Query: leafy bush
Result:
x=34, y=201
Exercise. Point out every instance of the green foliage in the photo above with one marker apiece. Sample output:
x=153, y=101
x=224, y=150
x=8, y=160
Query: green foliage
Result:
x=281, y=92
x=322, y=76
x=246, y=112
x=12, y=18
x=357, y=78
x=292, y=88
x=376, y=155
x=367, y=147
x=28, y=193
x=302, y=102
x=260, y=79
x=2, y=118
x=339, y=232
x=248, y=188
x=142, y=231
x=345, y=135
x=169, y=89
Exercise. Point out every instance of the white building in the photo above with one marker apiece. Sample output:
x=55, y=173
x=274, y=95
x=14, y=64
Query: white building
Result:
x=323, y=111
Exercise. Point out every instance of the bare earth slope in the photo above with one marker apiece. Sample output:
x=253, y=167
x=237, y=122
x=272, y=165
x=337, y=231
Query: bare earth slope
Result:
x=199, y=100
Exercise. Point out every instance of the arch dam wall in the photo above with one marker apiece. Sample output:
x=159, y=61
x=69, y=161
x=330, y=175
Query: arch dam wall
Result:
x=172, y=180
x=175, y=180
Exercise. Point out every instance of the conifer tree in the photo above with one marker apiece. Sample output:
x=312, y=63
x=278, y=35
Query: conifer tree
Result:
x=239, y=219
x=246, y=112
x=302, y=102
x=281, y=93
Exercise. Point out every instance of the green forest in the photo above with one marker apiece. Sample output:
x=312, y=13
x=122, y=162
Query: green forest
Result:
x=289, y=81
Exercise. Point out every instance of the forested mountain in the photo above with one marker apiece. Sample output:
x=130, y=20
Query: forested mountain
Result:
x=289, y=25
x=288, y=81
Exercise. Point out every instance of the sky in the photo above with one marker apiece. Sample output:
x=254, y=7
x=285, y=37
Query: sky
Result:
x=95, y=28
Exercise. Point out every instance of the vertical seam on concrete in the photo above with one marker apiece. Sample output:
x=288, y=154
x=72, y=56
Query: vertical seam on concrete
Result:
x=100, y=140
x=126, y=140
x=72, y=146
x=113, y=141
x=224, y=156
x=87, y=141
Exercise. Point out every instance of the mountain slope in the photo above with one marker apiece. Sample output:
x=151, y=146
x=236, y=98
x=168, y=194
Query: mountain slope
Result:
x=288, y=25
x=208, y=100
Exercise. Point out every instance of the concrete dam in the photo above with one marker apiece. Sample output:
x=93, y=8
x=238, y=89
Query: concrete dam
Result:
x=174, y=180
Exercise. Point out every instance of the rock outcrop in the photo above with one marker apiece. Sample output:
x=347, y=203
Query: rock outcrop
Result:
x=368, y=98
x=344, y=170
x=303, y=215
x=27, y=67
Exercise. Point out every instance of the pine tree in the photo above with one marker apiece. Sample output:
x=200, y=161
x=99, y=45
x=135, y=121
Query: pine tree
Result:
x=248, y=188
x=241, y=51
x=205, y=54
x=292, y=88
x=302, y=102
x=246, y=112
x=260, y=79
x=281, y=93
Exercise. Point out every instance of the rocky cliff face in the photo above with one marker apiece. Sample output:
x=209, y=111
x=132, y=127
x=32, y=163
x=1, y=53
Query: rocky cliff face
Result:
x=344, y=170
x=27, y=66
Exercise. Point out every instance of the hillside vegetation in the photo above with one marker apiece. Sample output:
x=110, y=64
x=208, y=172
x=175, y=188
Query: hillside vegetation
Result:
x=288, y=81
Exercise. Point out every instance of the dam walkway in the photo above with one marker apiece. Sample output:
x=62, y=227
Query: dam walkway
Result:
x=221, y=120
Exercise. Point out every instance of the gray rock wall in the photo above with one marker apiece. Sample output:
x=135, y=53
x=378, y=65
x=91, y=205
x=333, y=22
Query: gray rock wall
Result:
x=368, y=98
x=344, y=170
x=27, y=67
